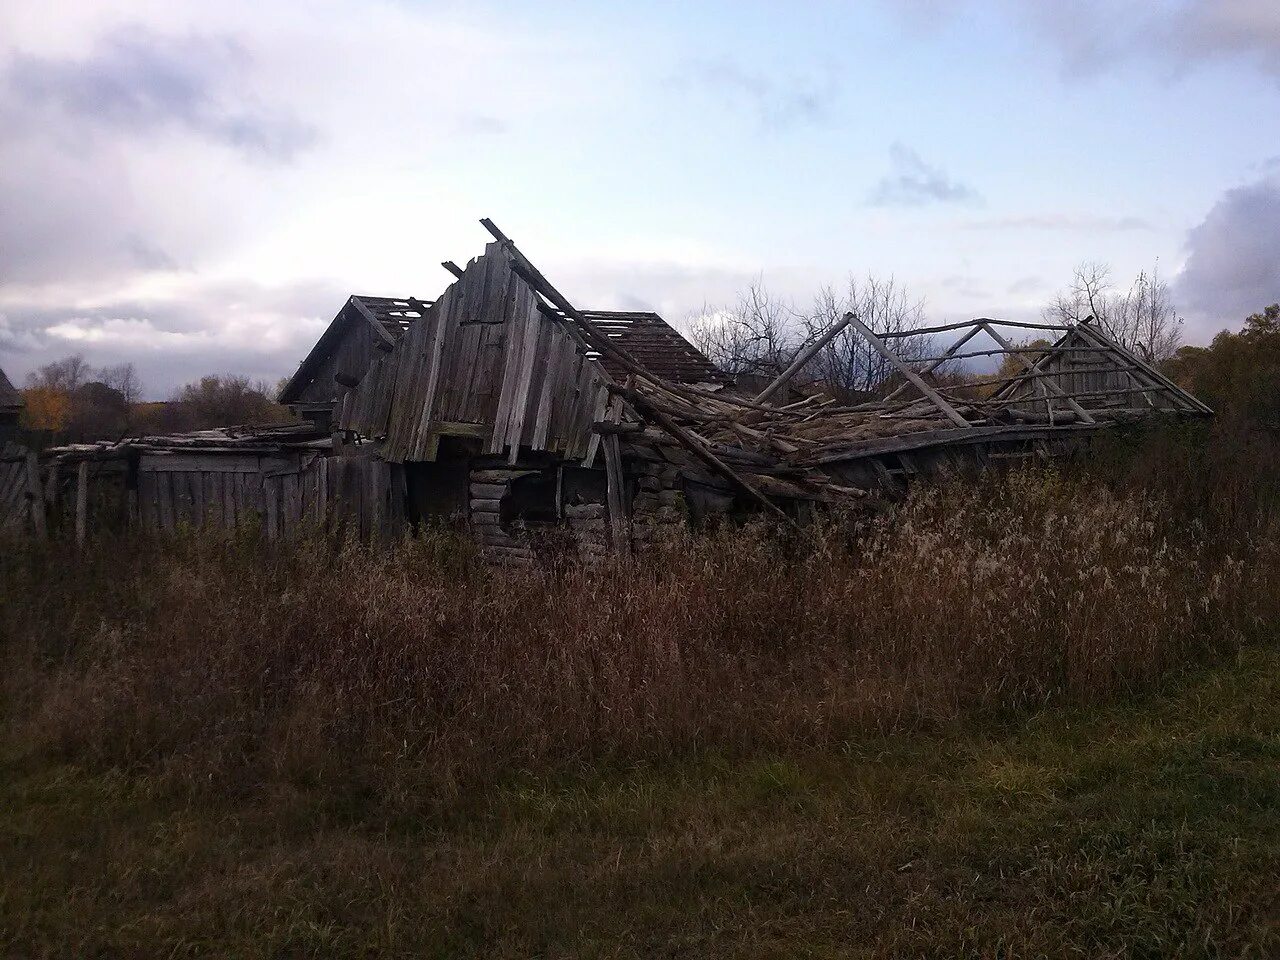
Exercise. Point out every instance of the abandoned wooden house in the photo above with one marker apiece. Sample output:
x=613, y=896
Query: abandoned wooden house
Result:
x=11, y=404
x=502, y=409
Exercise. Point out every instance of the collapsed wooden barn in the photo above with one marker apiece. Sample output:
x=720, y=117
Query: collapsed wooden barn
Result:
x=502, y=409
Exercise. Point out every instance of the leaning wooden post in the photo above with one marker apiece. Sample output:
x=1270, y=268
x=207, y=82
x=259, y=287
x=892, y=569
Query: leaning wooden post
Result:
x=804, y=357
x=82, y=502
x=619, y=529
x=1030, y=367
x=35, y=496
x=948, y=411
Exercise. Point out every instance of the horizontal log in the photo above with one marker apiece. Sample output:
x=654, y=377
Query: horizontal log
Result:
x=498, y=476
x=605, y=427
x=488, y=491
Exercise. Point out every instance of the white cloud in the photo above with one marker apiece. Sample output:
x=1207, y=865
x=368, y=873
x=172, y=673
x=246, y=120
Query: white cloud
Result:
x=1233, y=258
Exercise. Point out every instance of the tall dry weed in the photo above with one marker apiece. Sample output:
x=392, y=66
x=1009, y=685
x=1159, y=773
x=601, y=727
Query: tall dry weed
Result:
x=417, y=670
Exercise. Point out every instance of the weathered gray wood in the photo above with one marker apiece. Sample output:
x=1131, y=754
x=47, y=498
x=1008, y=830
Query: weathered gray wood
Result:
x=805, y=355
x=373, y=321
x=619, y=531
x=164, y=492
x=706, y=456
x=935, y=364
x=271, y=491
x=947, y=410
x=182, y=462
x=1029, y=366
x=82, y=503
x=35, y=496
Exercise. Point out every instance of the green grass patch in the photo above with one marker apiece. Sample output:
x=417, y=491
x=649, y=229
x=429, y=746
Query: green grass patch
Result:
x=1148, y=828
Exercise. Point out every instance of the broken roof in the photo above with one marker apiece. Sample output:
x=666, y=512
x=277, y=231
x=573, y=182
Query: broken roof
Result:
x=10, y=398
x=388, y=316
x=644, y=333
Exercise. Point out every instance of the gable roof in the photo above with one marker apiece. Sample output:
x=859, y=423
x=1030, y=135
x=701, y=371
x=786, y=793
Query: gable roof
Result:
x=656, y=344
x=10, y=399
x=643, y=333
x=1087, y=358
x=390, y=315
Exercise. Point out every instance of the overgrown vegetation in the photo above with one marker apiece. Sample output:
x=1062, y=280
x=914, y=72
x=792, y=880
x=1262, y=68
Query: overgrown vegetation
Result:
x=904, y=732
x=421, y=671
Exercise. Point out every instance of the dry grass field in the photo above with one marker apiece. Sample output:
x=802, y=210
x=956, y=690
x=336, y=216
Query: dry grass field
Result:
x=1036, y=716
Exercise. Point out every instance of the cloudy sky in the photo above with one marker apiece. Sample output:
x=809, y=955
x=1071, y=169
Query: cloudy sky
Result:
x=198, y=187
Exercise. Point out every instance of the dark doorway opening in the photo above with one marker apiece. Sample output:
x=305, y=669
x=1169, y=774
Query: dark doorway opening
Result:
x=438, y=491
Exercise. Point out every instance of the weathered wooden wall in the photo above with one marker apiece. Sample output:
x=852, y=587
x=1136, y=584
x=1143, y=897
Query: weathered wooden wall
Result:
x=356, y=349
x=284, y=494
x=1086, y=367
x=483, y=362
x=15, y=491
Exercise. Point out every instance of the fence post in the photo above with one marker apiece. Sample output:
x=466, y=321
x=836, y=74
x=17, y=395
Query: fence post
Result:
x=82, y=503
x=35, y=496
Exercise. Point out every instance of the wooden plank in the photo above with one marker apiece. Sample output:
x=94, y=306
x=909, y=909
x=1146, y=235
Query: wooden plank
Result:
x=619, y=531
x=230, y=516
x=211, y=496
x=164, y=495
x=35, y=497
x=422, y=416
x=376, y=500
x=379, y=330
x=271, y=492
x=1029, y=366
x=82, y=503
x=148, y=507
x=947, y=410
x=181, y=462
x=291, y=505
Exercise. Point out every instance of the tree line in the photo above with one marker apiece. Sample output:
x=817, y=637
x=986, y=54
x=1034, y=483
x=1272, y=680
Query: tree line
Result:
x=761, y=334
x=74, y=401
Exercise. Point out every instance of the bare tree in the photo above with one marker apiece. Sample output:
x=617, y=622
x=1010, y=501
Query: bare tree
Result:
x=1142, y=319
x=66, y=375
x=757, y=335
x=849, y=364
x=1145, y=320
x=1086, y=296
x=124, y=378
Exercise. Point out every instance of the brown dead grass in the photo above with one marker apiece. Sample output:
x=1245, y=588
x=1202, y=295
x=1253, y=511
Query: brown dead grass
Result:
x=420, y=672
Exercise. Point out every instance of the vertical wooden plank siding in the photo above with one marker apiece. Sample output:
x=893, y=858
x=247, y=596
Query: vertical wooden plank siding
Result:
x=483, y=354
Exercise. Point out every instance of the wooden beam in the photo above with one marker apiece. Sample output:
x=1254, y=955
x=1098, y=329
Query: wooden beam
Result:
x=452, y=268
x=82, y=503
x=597, y=338
x=35, y=496
x=804, y=357
x=948, y=411
x=1079, y=411
x=700, y=451
x=944, y=327
x=947, y=355
x=619, y=529
x=373, y=321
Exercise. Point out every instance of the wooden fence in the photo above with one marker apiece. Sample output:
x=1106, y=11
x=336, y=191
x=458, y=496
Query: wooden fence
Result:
x=158, y=493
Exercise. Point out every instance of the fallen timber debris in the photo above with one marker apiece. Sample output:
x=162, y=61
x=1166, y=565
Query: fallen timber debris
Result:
x=503, y=407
